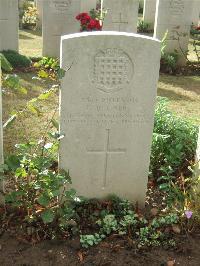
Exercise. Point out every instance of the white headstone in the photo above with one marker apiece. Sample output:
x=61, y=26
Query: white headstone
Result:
x=196, y=13
x=9, y=23
x=121, y=15
x=107, y=110
x=149, y=12
x=174, y=16
x=1, y=143
x=59, y=18
x=39, y=6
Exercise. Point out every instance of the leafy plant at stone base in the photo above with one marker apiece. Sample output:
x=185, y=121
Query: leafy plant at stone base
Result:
x=127, y=224
x=143, y=27
x=168, y=62
x=30, y=18
x=40, y=194
x=173, y=149
x=195, y=33
x=48, y=68
x=17, y=60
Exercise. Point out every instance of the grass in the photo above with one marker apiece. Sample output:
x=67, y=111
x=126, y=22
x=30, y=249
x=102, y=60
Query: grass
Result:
x=30, y=43
x=28, y=126
x=183, y=93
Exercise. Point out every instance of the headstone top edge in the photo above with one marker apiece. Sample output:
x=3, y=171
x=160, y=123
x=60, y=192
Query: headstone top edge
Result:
x=107, y=33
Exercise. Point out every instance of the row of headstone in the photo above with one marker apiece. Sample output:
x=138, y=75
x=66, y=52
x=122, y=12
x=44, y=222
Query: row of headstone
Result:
x=59, y=19
x=174, y=17
x=149, y=11
x=9, y=21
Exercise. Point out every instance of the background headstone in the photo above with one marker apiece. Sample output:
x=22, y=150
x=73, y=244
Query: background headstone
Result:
x=39, y=6
x=174, y=16
x=121, y=15
x=9, y=23
x=149, y=12
x=107, y=110
x=196, y=12
x=59, y=18
x=1, y=142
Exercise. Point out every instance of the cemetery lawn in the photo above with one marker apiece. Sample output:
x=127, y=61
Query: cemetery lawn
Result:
x=183, y=93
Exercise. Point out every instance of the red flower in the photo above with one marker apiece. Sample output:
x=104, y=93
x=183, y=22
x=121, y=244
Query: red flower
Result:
x=83, y=16
x=198, y=28
x=94, y=25
x=87, y=23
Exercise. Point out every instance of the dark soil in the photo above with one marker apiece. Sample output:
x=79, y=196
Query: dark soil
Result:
x=113, y=251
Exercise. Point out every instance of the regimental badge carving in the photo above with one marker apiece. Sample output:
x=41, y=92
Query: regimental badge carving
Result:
x=112, y=70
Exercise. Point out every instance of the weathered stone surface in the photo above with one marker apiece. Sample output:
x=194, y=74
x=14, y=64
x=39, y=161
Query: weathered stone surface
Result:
x=107, y=110
x=39, y=6
x=196, y=12
x=121, y=15
x=9, y=23
x=174, y=16
x=149, y=12
x=59, y=18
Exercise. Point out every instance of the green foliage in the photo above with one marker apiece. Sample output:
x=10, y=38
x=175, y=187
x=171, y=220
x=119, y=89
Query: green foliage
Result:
x=49, y=68
x=5, y=65
x=33, y=106
x=173, y=145
x=90, y=240
x=48, y=63
x=168, y=60
x=143, y=26
x=136, y=227
x=40, y=190
x=195, y=33
x=13, y=82
x=16, y=59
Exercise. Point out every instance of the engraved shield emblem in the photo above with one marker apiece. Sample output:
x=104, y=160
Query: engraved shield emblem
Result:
x=112, y=70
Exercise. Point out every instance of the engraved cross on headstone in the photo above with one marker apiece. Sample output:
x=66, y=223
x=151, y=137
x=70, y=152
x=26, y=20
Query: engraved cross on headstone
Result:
x=120, y=22
x=107, y=151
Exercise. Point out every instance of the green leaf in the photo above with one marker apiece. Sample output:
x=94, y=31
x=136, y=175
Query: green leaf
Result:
x=43, y=74
x=5, y=64
x=12, y=81
x=20, y=172
x=48, y=216
x=61, y=73
x=43, y=200
x=12, y=162
x=55, y=123
x=45, y=95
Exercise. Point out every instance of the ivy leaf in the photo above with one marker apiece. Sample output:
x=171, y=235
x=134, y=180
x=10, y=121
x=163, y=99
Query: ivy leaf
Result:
x=55, y=123
x=43, y=200
x=48, y=216
x=13, y=162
